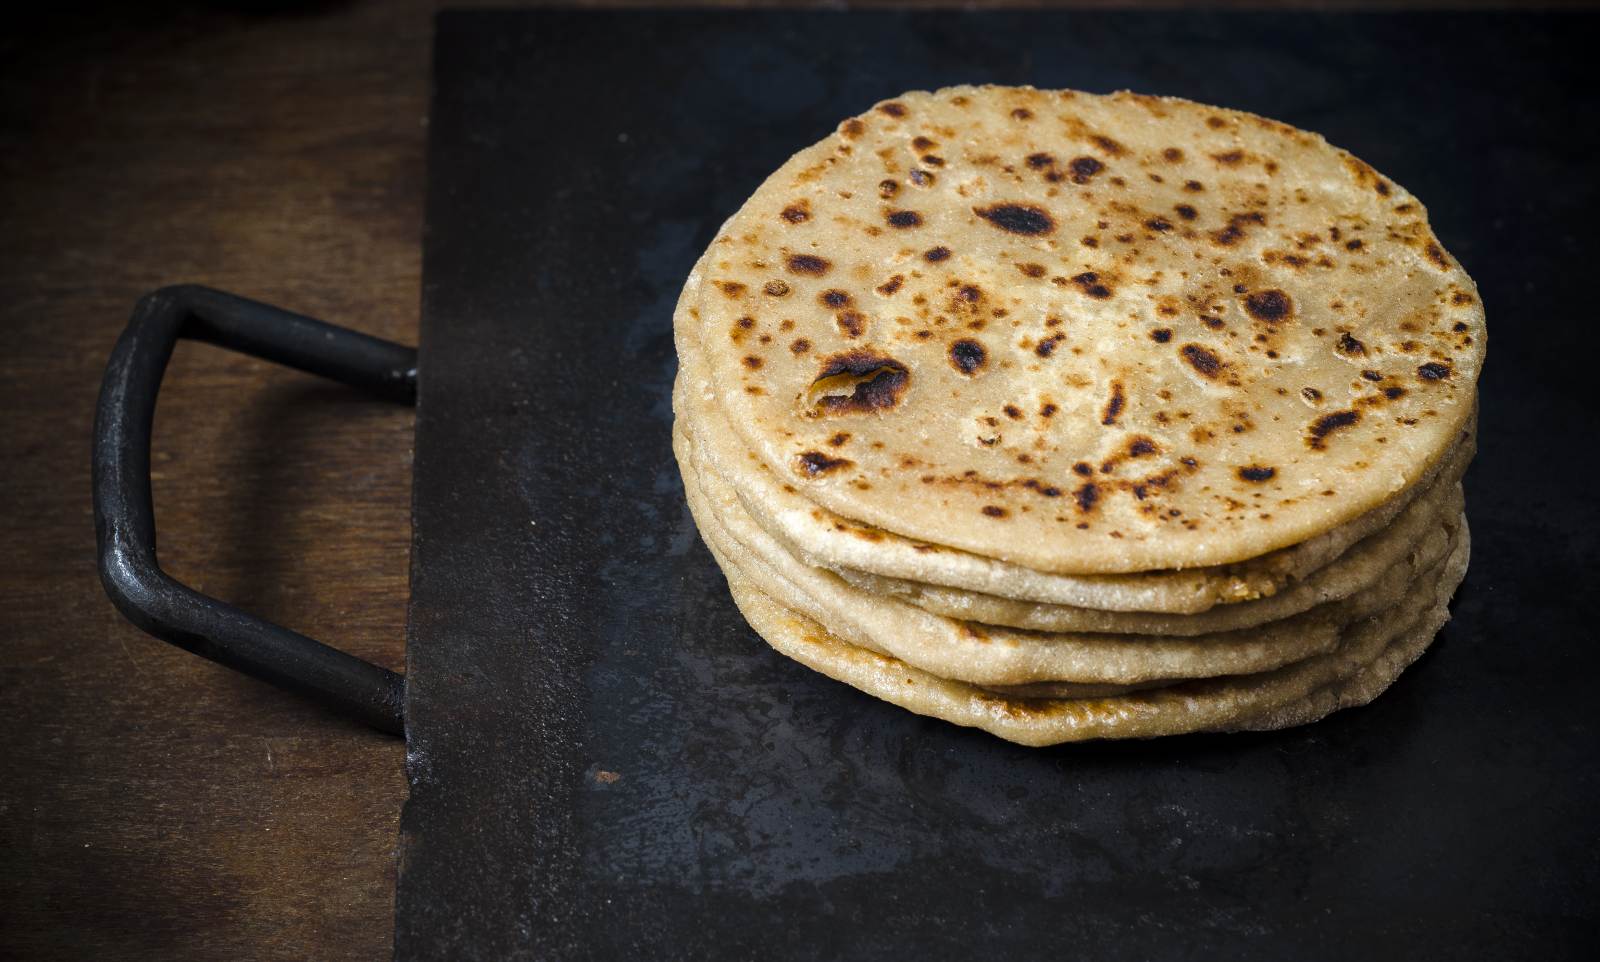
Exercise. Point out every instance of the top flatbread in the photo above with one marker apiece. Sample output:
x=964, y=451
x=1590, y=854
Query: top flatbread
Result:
x=1087, y=334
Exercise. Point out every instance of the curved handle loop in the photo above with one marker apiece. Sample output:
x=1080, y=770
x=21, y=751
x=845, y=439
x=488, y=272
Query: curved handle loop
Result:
x=124, y=514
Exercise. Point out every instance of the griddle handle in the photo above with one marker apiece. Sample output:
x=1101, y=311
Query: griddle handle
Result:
x=124, y=514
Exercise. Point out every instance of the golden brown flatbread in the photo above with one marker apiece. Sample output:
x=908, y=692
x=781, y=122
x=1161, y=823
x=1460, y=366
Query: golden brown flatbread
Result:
x=1087, y=334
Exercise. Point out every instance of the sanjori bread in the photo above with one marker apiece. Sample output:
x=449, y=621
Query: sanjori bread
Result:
x=1078, y=401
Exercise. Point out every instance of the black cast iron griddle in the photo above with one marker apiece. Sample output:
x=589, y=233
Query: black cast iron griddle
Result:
x=605, y=762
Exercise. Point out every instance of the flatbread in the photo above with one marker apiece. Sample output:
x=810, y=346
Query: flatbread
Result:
x=1384, y=556
x=822, y=538
x=989, y=656
x=1087, y=334
x=1374, y=653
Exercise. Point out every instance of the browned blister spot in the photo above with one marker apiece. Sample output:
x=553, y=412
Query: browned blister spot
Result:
x=775, y=289
x=1271, y=306
x=1318, y=431
x=1031, y=270
x=1186, y=212
x=893, y=108
x=1434, y=371
x=1172, y=155
x=1202, y=359
x=1108, y=145
x=800, y=345
x=1257, y=472
x=1040, y=161
x=888, y=188
x=903, y=219
x=1114, y=405
x=934, y=255
x=891, y=285
x=1084, y=168
x=834, y=298
x=815, y=463
x=1229, y=158
x=1141, y=446
x=1161, y=335
x=1349, y=346
x=1026, y=219
x=1436, y=255
x=1234, y=232
x=1091, y=284
x=731, y=289
x=851, y=323
x=995, y=511
x=922, y=178
x=808, y=264
x=1040, y=488
x=968, y=356
x=873, y=381
x=797, y=213
x=1086, y=496
x=967, y=295
x=1047, y=346
x=752, y=362
x=1228, y=236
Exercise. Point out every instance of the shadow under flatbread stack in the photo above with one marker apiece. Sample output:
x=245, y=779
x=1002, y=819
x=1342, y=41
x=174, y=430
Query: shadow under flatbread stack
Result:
x=1069, y=416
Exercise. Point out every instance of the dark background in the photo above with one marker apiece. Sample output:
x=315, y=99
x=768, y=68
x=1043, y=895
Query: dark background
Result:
x=153, y=805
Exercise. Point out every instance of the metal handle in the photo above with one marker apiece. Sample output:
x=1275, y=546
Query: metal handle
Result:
x=124, y=514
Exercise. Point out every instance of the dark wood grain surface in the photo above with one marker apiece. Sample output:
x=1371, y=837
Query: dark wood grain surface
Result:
x=153, y=805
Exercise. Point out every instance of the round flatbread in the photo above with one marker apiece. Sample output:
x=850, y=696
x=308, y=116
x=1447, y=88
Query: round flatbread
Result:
x=1087, y=334
x=857, y=551
x=1387, y=555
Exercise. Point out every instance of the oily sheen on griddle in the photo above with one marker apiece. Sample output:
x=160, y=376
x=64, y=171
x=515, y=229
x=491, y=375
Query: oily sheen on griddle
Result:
x=1065, y=398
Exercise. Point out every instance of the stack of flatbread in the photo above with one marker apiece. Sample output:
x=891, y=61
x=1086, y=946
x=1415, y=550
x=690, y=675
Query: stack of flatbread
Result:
x=1069, y=416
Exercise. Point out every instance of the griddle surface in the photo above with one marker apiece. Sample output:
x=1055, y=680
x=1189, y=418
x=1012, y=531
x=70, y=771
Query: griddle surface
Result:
x=607, y=763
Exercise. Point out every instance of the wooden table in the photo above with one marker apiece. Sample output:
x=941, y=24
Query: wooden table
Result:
x=153, y=805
